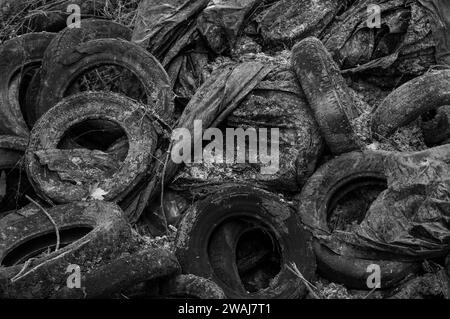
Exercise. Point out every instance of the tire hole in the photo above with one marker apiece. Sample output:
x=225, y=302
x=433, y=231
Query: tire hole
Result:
x=349, y=204
x=258, y=259
x=103, y=135
x=43, y=244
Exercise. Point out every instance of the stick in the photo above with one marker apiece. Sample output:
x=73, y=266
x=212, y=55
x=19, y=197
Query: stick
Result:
x=58, y=239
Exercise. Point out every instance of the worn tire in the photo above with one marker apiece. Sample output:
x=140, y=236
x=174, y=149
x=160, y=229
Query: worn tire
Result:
x=18, y=56
x=61, y=74
x=320, y=196
x=411, y=100
x=290, y=20
x=50, y=129
x=96, y=233
x=241, y=202
x=183, y=286
x=122, y=273
x=330, y=98
x=61, y=45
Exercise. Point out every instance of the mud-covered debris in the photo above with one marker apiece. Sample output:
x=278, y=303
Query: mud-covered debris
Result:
x=80, y=166
x=429, y=286
x=221, y=22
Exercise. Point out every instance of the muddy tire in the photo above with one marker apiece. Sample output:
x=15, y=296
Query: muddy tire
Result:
x=61, y=45
x=91, y=233
x=59, y=76
x=331, y=100
x=19, y=55
x=353, y=272
x=190, y=286
x=411, y=100
x=321, y=195
x=267, y=213
x=50, y=129
x=123, y=273
x=290, y=20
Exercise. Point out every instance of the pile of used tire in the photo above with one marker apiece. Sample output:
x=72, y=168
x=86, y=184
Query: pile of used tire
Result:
x=93, y=205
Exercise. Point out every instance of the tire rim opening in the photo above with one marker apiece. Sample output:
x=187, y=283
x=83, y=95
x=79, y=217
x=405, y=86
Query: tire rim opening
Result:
x=109, y=78
x=348, y=206
x=253, y=251
x=43, y=244
x=99, y=134
x=258, y=259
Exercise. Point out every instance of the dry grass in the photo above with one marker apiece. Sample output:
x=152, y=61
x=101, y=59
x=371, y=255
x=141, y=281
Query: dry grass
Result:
x=20, y=22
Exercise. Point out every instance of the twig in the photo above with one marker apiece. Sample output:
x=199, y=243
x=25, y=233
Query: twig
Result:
x=25, y=266
x=162, y=186
x=371, y=292
x=58, y=239
x=294, y=269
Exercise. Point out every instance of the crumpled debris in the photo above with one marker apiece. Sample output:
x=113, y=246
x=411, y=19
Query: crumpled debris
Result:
x=222, y=21
x=165, y=29
x=80, y=166
x=403, y=46
x=440, y=10
x=431, y=285
x=213, y=102
x=277, y=102
x=411, y=219
x=288, y=21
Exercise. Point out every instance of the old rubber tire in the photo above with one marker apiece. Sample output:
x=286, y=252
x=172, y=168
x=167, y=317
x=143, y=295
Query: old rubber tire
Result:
x=411, y=100
x=122, y=273
x=95, y=233
x=318, y=199
x=18, y=56
x=190, y=286
x=152, y=76
x=329, y=97
x=242, y=202
x=61, y=45
x=353, y=272
x=50, y=129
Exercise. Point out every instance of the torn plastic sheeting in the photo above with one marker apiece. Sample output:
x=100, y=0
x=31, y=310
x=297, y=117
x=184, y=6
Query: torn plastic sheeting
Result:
x=277, y=102
x=166, y=28
x=213, y=102
x=79, y=165
x=411, y=219
x=290, y=20
x=222, y=20
x=440, y=10
x=406, y=48
x=188, y=72
x=352, y=21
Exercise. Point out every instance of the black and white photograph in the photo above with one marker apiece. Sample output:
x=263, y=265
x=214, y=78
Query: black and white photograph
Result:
x=224, y=154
